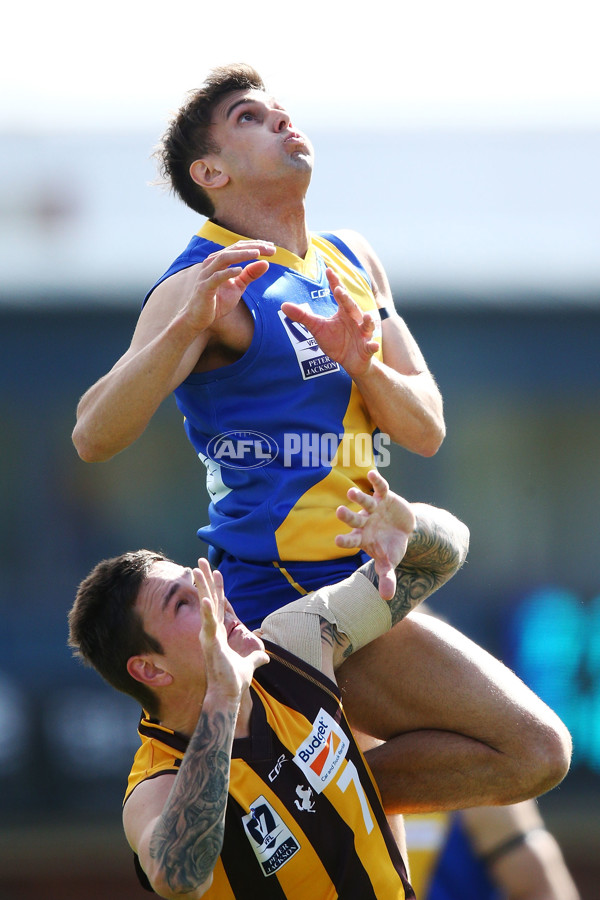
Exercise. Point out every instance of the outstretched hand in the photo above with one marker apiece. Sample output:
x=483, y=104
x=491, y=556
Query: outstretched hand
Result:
x=222, y=279
x=346, y=336
x=229, y=669
x=382, y=529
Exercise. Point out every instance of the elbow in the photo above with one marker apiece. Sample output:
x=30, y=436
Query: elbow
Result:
x=163, y=886
x=456, y=551
x=463, y=541
x=433, y=438
x=425, y=438
x=88, y=450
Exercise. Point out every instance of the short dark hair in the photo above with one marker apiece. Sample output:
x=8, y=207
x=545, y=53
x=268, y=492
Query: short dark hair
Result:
x=188, y=137
x=105, y=629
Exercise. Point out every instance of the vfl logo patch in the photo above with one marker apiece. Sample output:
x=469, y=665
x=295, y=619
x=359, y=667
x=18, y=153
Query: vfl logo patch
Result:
x=270, y=838
x=321, y=754
x=311, y=359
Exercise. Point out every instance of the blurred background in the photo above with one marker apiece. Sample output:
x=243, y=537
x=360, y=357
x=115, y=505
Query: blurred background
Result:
x=463, y=140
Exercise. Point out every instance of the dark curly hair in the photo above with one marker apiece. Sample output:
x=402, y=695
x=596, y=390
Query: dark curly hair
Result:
x=105, y=629
x=188, y=136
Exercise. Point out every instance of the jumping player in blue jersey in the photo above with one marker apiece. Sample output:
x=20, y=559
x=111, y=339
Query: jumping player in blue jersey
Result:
x=291, y=366
x=253, y=369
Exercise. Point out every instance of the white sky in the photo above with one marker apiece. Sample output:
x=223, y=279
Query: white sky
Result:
x=425, y=62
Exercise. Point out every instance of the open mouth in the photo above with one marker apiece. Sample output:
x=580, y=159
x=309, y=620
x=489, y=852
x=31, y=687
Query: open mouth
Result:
x=235, y=624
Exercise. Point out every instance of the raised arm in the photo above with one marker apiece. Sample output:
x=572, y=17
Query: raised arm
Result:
x=407, y=567
x=172, y=332
x=176, y=824
x=400, y=392
x=421, y=558
x=416, y=548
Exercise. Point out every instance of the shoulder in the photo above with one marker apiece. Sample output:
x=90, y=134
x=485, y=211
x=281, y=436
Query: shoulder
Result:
x=170, y=292
x=161, y=315
x=371, y=262
x=144, y=804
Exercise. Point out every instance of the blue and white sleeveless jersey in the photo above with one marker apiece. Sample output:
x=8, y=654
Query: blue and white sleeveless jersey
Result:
x=283, y=431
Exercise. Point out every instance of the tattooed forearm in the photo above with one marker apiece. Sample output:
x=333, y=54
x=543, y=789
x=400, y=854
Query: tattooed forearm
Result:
x=189, y=836
x=337, y=640
x=436, y=550
x=412, y=587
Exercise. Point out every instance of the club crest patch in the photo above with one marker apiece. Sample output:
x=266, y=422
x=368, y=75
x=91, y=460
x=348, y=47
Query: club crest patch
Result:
x=270, y=838
x=311, y=359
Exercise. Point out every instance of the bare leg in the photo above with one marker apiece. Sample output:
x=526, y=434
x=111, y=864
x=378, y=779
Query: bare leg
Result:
x=460, y=728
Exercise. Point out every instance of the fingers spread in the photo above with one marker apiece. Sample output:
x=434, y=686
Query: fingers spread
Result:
x=367, y=501
x=378, y=482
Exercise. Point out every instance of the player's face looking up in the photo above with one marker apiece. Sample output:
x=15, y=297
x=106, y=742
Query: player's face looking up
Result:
x=256, y=143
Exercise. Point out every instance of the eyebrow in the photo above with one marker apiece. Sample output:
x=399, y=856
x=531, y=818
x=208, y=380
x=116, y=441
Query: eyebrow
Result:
x=237, y=103
x=168, y=596
x=174, y=589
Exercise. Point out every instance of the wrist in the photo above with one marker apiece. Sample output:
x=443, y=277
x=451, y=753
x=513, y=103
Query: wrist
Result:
x=222, y=699
x=364, y=371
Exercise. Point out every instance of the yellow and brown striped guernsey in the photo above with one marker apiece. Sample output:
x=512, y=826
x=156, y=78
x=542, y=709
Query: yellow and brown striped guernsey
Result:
x=304, y=817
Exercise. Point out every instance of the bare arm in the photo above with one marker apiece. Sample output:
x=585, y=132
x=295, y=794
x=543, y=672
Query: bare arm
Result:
x=400, y=392
x=172, y=333
x=435, y=550
x=176, y=824
x=522, y=857
x=415, y=548
x=178, y=835
x=403, y=390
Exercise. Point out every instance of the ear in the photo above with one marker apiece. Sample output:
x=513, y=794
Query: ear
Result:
x=207, y=173
x=145, y=670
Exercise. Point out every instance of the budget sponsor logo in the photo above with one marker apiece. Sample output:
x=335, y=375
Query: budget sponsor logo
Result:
x=321, y=754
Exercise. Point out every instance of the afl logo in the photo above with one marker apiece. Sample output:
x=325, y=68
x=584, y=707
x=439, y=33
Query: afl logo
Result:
x=242, y=449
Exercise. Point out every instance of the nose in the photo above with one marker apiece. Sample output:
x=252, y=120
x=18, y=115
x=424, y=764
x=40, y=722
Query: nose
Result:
x=281, y=120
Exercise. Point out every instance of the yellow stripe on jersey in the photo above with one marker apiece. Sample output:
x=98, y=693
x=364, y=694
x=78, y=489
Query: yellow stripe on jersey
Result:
x=220, y=886
x=289, y=579
x=151, y=758
x=354, y=458
x=292, y=728
x=308, y=266
x=303, y=875
x=353, y=279
x=295, y=536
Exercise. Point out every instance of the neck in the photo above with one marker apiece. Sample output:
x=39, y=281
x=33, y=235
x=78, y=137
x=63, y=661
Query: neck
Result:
x=282, y=223
x=182, y=715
